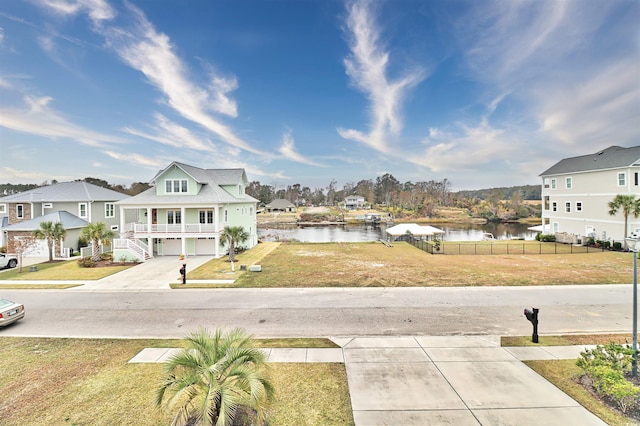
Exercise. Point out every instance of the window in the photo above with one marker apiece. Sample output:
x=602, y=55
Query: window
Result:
x=567, y=207
x=226, y=215
x=554, y=184
x=174, y=217
x=578, y=206
x=109, y=210
x=554, y=206
x=176, y=185
x=47, y=206
x=635, y=176
x=622, y=179
x=82, y=210
x=569, y=183
x=3, y=208
x=114, y=227
x=20, y=211
x=556, y=226
x=240, y=189
x=206, y=216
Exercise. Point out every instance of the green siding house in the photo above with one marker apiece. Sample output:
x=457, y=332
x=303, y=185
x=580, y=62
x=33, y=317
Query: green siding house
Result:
x=185, y=212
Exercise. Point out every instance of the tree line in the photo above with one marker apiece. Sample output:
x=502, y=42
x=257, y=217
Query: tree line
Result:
x=423, y=198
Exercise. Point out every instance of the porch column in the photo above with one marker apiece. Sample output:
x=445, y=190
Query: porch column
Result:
x=216, y=217
x=122, y=230
x=183, y=219
x=217, y=252
x=149, y=220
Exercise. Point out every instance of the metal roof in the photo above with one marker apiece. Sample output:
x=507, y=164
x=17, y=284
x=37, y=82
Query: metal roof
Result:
x=610, y=158
x=65, y=192
x=68, y=220
x=210, y=191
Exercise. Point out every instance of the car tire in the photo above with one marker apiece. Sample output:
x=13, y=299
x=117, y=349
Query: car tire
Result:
x=12, y=263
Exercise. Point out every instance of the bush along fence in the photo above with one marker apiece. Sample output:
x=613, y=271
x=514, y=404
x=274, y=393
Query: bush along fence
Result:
x=489, y=248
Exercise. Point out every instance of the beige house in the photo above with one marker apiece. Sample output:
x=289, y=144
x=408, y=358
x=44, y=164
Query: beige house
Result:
x=576, y=192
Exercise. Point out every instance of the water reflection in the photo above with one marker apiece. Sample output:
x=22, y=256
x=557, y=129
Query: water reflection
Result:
x=363, y=233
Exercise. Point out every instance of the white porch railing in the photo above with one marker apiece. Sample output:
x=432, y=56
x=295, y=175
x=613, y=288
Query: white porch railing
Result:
x=194, y=228
x=137, y=247
x=88, y=251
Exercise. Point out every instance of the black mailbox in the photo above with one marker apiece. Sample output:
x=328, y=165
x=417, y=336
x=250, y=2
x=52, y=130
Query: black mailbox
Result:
x=183, y=272
x=532, y=315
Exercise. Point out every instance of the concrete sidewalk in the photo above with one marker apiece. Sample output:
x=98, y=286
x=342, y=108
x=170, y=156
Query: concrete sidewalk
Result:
x=440, y=380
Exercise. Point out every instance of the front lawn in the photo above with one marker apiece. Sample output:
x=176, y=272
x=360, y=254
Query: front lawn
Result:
x=88, y=381
x=67, y=270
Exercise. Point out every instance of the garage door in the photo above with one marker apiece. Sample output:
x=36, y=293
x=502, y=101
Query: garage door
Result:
x=39, y=249
x=172, y=247
x=205, y=246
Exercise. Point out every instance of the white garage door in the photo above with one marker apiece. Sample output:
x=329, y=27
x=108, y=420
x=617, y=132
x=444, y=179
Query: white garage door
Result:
x=172, y=247
x=206, y=246
x=39, y=249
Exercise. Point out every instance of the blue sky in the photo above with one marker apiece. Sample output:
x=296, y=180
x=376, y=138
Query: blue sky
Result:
x=483, y=93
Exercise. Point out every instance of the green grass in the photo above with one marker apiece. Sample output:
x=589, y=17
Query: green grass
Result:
x=65, y=271
x=567, y=340
x=89, y=382
x=564, y=374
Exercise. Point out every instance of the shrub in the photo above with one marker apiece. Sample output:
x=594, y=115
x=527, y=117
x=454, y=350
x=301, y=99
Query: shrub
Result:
x=606, y=366
x=86, y=262
x=546, y=238
x=617, y=245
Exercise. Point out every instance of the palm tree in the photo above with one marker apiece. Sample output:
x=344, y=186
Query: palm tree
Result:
x=233, y=235
x=52, y=232
x=216, y=378
x=628, y=204
x=97, y=233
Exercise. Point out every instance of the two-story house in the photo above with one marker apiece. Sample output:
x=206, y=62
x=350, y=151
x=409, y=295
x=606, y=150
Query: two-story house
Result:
x=576, y=192
x=353, y=202
x=185, y=213
x=74, y=204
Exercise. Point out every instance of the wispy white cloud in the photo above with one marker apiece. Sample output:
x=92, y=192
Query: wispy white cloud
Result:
x=367, y=67
x=98, y=10
x=151, y=52
x=38, y=118
x=169, y=133
x=136, y=159
x=288, y=150
x=472, y=147
x=9, y=174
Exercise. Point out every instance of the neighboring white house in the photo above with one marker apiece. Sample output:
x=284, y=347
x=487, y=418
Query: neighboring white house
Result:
x=576, y=192
x=280, y=205
x=185, y=213
x=72, y=203
x=353, y=202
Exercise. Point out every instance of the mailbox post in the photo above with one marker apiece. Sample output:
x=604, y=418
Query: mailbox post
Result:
x=532, y=315
x=183, y=272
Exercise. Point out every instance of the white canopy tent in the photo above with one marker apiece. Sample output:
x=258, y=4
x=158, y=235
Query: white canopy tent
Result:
x=417, y=231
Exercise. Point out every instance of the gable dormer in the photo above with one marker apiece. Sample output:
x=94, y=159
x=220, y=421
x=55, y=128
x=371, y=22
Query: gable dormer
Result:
x=175, y=180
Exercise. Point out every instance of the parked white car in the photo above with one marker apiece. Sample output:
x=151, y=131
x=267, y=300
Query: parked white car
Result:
x=8, y=261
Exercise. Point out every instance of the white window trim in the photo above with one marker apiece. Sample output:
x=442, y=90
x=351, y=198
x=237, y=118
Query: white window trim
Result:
x=3, y=208
x=20, y=211
x=554, y=183
x=107, y=210
x=556, y=226
x=568, y=182
x=47, y=206
x=579, y=206
x=554, y=206
x=567, y=207
x=170, y=189
x=624, y=177
x=206, y=216
x=86, y=210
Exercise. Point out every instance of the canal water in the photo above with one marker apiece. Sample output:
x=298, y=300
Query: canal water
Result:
x=363, y=233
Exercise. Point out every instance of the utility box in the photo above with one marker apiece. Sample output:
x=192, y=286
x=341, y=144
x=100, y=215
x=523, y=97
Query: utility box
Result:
x=255, y=268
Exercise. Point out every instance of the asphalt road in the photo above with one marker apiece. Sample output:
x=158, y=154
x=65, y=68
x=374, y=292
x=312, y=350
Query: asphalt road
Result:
x=322, y=312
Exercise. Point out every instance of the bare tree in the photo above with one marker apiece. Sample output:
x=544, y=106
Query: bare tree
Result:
x=21, y=245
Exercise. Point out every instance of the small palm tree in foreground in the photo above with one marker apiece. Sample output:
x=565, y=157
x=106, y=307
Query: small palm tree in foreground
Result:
x=97, y=233
x=628, y=204
x=233, y=235
x=216, y=378
x=52, y=232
